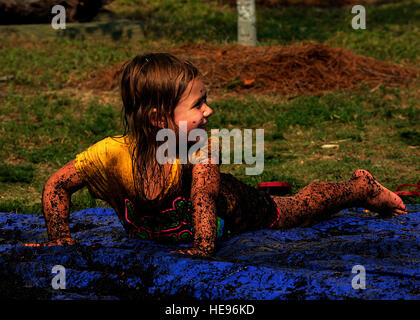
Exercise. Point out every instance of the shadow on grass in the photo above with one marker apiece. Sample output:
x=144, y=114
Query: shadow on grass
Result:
x=401, y=13
x=310, y=23
x=16, y=173
x=116, y=30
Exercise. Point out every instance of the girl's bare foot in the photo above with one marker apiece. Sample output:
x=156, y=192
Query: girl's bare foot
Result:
x=378, y=198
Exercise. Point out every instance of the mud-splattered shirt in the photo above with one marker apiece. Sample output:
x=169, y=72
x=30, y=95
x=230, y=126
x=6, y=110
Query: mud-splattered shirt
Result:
x=106, y=168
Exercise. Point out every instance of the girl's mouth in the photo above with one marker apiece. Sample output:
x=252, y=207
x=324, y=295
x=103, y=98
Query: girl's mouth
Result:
x=202, y=126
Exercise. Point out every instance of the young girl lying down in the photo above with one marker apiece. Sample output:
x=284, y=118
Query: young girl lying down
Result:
x=186, y=202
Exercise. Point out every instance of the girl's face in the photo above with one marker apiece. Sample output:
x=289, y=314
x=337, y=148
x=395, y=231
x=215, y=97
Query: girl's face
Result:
x=193, y=107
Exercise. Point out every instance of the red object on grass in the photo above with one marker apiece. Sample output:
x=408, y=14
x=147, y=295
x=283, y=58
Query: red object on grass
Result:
x=275, y=187
x=415, y=193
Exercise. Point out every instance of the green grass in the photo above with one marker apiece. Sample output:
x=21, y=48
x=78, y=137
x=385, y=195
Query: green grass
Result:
x=44, y=123
x=365, y=125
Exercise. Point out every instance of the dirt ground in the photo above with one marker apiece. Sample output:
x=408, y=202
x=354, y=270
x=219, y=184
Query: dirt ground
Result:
x=301, y=69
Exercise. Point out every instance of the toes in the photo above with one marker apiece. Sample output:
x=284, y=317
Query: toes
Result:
x=401, y=205
x=360, y=173
x=398, y=212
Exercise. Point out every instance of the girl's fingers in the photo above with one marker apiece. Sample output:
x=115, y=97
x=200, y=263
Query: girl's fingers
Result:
x=32, y=244
x=182, y=251
x=191, y=251
x=398, y=212
x=58, y=242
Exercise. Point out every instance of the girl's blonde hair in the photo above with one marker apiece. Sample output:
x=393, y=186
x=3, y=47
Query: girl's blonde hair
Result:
x=151, y=81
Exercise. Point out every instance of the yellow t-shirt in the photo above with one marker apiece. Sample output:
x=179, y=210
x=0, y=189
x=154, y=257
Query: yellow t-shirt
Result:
x=106, y=168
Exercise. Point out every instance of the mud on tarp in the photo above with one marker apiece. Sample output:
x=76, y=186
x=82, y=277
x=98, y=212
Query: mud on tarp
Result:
x=300, y=263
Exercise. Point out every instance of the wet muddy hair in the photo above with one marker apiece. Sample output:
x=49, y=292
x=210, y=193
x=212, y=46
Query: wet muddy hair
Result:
x=148, y=82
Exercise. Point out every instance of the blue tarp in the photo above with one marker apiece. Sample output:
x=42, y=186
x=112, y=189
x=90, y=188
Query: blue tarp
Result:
x=301, y=263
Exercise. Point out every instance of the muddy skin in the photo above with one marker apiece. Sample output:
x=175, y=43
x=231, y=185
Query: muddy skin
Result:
x=56, y=212
x=204, y=193
x=254, y=209
x=318, y=201
x=56, y=204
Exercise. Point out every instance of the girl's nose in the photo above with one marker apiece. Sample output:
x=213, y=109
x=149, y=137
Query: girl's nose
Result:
x=207, y=111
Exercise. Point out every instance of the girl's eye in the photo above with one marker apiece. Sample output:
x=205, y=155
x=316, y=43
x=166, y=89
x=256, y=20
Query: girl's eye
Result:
x=198, y=105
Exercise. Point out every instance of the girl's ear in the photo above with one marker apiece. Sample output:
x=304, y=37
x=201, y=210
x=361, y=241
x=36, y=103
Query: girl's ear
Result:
x=157, y=123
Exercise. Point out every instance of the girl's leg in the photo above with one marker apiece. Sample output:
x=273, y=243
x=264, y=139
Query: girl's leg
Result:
x=320, y=200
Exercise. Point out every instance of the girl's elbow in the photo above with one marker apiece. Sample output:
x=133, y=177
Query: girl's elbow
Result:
x=66, y=179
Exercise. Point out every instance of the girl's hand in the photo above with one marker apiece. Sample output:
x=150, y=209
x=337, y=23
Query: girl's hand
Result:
x=192, y=252
x=204, y=192
x=58, y=242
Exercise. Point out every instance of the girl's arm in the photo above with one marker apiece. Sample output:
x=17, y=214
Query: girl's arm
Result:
x=56, y=204
x=204, y=192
